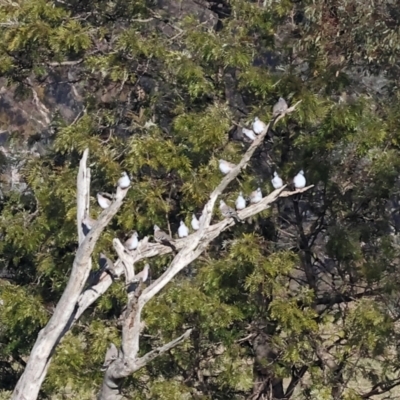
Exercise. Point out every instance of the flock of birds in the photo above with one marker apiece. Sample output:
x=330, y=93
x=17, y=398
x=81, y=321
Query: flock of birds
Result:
x=299, y=182
x=105, y=200
x=259, y=126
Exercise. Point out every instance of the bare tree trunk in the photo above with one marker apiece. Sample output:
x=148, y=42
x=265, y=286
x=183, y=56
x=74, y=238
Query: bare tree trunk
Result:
x=31, y=380
x=75, y=299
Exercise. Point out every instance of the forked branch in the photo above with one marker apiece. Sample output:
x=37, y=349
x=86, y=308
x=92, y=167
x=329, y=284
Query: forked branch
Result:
x=75, y=299
x=31, y=380
x=190, y=249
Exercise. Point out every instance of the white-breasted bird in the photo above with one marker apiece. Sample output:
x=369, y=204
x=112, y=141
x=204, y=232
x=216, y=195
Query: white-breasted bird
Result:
x=124, y=181
x=133, y=242
x=163, y=237
x=276, y=181
x=195, y=223
x=256, y=196
x=240, y=202
x=280, y=107
x=258, y=126
x=299, y=180
x=183, y=230
x=104, y=200
x=228, y=212
x=89, y=223
x=249, y=133
x=225, y=166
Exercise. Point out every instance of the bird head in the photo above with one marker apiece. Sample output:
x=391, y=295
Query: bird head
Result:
x=256, y=119
x=156, y=228
x=221, y=203
x=275, y=174
x=301, y=172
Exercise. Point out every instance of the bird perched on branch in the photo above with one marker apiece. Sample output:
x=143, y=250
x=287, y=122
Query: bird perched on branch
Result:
x=133, y=242
x=280, y=107
x=276, y=181
x=299, y=181
x=195, y=223
x=258, y=126
x=107, y=265
x=142, y=276
x=124, y=181
x=225, y=166
x=104, y=200
x=163, y=237
x=88, y=223
x=240, y=202
x=183, y=230
x=249, y=133
x=256, y=196
x=228, y=212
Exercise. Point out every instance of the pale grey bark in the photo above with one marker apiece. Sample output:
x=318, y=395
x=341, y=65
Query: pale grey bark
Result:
x=75, y=300
x=189, y=249
x=31, y=380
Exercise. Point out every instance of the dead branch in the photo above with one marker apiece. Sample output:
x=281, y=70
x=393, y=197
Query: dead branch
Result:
x=142, y=20
x=62, y=63
x=31, y=380
x=207, y=211
x=190, y=249
x=75, y=300
x=141, y=362
x=127, y=261
x=83, y=195
x=148, y=250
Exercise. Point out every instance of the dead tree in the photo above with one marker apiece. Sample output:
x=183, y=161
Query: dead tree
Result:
x=76, y=299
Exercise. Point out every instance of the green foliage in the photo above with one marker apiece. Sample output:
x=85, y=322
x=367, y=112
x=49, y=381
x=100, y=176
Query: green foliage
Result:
x=159, y=99
x=22, y=315
x=167, y=390
x=5, y=395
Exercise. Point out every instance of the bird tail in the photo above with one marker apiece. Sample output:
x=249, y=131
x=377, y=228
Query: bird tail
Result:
x=237, y=218
x=85, y=229
x=169, y=244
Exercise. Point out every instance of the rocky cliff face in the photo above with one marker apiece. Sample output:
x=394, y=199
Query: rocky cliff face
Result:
x=27, y=109
x=26, y=112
